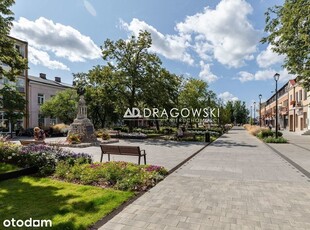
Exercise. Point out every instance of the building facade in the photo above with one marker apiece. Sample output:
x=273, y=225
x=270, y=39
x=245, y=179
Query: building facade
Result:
x=21, y=84
x=42, y=89
x=293, y=108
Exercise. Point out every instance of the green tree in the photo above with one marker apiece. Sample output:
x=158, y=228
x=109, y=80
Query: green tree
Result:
x=240, y=112
x=130, y=63
x=161, y=91
x=101, y=95
x=63, y=106
x=288, y=29
x=195, y=95
x=13, y=104
x=9, y=56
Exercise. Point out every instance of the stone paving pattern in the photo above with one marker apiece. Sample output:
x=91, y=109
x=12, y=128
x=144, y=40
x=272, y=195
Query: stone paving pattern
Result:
x=235, y=183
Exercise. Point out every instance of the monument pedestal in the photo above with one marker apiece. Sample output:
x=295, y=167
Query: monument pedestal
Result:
x=82, y=126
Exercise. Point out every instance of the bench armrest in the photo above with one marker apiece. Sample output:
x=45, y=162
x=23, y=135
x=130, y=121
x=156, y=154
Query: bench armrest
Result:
x=142, y=150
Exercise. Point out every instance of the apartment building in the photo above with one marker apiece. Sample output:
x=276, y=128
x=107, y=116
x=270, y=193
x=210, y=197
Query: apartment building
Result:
x=298, y=107
x=293, y=108
x=36, y=90
x=22, y=86
x=42, y=89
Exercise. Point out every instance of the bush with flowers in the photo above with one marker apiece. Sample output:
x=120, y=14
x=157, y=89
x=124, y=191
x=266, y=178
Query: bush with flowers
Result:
x=118, y=175
x=43, y=157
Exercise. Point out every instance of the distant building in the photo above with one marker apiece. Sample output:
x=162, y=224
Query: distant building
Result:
x=42, y=89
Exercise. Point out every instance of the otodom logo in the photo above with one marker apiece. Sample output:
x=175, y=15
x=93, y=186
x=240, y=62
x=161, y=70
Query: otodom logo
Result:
x=29, y=223
x=155, y=113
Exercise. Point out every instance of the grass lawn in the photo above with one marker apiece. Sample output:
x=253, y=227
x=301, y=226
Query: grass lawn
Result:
x=4, y=168
x=69, y=206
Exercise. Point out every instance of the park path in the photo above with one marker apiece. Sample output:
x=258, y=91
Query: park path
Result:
x=237, y=182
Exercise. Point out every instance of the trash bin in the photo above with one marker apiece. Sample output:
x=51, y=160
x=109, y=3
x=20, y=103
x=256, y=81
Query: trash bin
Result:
x=207, y=137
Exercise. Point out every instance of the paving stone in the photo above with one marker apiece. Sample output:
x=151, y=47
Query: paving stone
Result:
x=235, y=183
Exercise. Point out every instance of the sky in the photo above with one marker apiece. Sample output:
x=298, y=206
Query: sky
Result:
x=216, y=41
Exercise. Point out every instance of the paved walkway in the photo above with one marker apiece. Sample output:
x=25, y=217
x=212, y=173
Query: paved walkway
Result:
x=236, y=183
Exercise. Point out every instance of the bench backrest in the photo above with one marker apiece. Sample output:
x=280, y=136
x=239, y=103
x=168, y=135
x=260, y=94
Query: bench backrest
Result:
x=121, y=150
x=27, y=142
x=130, y=150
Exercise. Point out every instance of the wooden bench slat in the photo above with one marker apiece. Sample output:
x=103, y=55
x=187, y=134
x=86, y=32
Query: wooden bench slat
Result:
x=122, y=150
x=28, y=142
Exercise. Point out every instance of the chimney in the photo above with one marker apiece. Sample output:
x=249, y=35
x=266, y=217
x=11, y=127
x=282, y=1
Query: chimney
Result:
x=43, y=75
x=57, y=79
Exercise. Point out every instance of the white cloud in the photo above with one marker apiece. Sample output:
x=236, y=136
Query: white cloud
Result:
x=268, y=58
x=226, y=32
x=245, y=76
x=206, y=73
x=263, y=75
x=64, y=41
x=170, y=46
x=227, y=96
x=89, y=7
x=38, y=57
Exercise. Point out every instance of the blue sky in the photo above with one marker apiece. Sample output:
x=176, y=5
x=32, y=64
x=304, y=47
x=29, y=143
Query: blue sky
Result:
x=217, y=41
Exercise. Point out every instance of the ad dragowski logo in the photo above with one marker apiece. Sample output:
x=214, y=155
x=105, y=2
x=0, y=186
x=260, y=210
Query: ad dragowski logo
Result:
x=155, y=113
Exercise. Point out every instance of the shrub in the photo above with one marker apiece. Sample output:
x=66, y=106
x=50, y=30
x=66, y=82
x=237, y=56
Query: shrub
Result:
x=268, y=133
x=43, y=157
x=275, y=140
x=106, y=136
x=119, y=175
x=74, y=138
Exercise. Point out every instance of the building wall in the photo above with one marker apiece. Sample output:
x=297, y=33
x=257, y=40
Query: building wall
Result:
x=298, y=108
x=293, y=108
x=48, y=91
x=21, y=84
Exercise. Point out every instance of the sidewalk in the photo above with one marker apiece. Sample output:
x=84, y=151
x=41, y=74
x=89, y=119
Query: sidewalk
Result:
x=236, y=183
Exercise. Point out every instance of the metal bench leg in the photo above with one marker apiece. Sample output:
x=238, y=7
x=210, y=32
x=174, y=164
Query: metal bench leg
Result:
x=101, y=157
x=144, y=159
x=109, y=157
x=139, y=160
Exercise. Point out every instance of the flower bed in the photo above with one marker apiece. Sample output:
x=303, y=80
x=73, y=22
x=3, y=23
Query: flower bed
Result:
x=117, y=175
x=41, y=156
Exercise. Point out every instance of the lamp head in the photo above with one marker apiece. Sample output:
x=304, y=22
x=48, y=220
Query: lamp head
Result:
x=260, y=96
x=276, y=77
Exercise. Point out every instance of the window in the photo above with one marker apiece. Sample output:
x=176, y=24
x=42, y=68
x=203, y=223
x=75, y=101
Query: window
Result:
x=291, y=97
x=53, y=121
x=41, y=120
x=40, y=99
x=305, y=94
x=296, y=96
x=300, y=95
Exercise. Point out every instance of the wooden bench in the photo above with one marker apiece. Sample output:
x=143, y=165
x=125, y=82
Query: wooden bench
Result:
x=186, y=135
x=122, y=150
x=28, y=142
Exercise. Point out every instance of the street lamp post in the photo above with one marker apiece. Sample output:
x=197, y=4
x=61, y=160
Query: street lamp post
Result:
x=260, y=110
x=254, y=111
x=251, y=116
x=276, y=78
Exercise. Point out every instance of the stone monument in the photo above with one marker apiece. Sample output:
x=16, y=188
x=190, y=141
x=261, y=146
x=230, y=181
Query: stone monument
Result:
x=82, y=126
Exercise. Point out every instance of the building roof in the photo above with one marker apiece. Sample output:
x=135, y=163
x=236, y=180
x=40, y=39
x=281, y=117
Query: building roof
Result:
x=48, y=82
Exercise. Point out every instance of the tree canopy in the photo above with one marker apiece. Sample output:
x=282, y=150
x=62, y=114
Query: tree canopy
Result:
x=12, y=62
x=13, y=103
x=288, y=29
x=63, y=105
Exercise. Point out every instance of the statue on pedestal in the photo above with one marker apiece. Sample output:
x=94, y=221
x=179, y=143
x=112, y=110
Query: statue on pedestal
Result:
x=81, y=125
